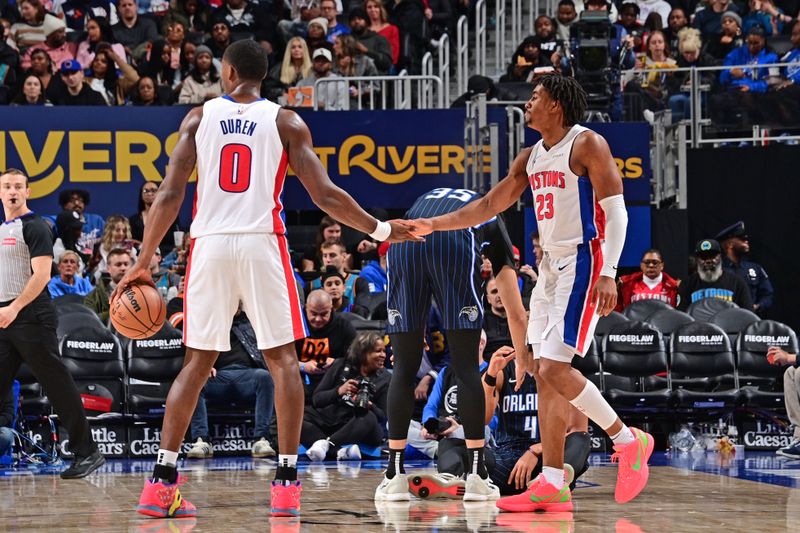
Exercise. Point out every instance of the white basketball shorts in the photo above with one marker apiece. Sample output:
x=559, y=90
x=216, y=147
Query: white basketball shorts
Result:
x=563, y=316
x=251, y=268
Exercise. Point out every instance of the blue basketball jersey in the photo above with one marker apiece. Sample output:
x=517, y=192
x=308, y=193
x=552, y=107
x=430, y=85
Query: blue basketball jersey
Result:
x=517, y=411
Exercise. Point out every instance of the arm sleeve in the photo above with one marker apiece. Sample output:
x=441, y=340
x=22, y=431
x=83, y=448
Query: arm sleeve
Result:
x=38, y=237
x=431, y=408
x=616, y=226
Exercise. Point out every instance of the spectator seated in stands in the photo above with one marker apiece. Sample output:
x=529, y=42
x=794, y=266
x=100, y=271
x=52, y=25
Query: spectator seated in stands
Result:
x=334, y=28
x=144, y=94
x=690, y=55
x=42, y=67
x=369, y=43
x=440, y=432
x=203, y=82
x=709, y=20
x=302, y=12
x=791, y=394
x=349, y=62
x=248, y=20
x=676, y=21
x=70, y=227
x=239, y=374
x=193, y=15
x=78, y=200
x=77, y=12
x=652, y=283
x=629, y=24
x=545, y=29
x=55, y=44
x=375, y=270
x=119, y=261
x=295, y=66
x=334, y=254
x=495, y=321
x=116, y=235
x=711, y=281
x=516, y=457
x=98, y=32
x=159, y=66
x=74, y=90
x=133, y=32
x=379, y=23
x=317, y=36
x=719, y=45
x=332, y=96
x=328, y=230
x=652, y=83
x=220, y=38
x=736, y=246
x=103, y=76
x=30, y=29
x=527, y=57
x=8, y=415
x=785, y=100
x=68, y=281
x=565, y=18
x=764, y=13
x=333, y=283
x=32, y=92
x=349, y=406
x=329, y=337
x=167, y=282
x=754, y=52
x=147, y=195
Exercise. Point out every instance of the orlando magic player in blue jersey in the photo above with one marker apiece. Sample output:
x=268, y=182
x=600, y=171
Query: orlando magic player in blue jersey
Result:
x=446, y=267
x=518, y=450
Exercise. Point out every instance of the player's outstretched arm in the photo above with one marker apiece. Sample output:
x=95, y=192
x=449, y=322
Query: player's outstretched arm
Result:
x=517, y=320
x=500, y=198
x=324, y=193
x=591, y=157
x=168, y=200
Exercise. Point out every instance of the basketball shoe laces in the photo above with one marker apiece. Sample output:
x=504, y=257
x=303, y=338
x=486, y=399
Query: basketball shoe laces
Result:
x=626, y=459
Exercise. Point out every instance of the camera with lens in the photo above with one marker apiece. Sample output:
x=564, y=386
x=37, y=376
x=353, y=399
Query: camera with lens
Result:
x=590, y=56
x=366, y=390
x=437, y=426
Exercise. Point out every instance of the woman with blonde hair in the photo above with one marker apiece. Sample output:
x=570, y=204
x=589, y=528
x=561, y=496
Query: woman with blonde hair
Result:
x=379, y=23
x=296, y=63
x=690, y=54
x=116, y=234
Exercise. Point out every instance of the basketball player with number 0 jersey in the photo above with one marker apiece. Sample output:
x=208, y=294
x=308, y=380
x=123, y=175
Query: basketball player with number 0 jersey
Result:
x=580, y=211
x=242, y=145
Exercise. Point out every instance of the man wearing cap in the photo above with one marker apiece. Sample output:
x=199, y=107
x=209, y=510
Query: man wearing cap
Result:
x=75, y=90
x=55, y=43
x=735, y=246
x=370, y=43
x=331, y=96
x=711, y=281
x=332, y=282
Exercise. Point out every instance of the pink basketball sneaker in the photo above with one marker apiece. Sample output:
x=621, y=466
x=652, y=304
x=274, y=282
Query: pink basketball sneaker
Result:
x=633, y=470
x=540, y=496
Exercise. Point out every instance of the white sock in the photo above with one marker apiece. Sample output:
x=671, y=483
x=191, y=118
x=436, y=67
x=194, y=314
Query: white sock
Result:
x=287, y=460
x=167, y=458
x=554, y=476
x=624, y=436
x=591, y=403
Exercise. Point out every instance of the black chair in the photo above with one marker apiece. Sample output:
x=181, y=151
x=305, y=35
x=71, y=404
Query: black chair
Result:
x=34, y=403
x=368, y=325
x=703, y=310
x=636, y=350
x=93, y=356
x=761, y=382
x=590, y=365
x=375, y=304
x=700, y=351
x=668, y=320
x=605, y=324
x=153, y=365
x=70, y=322
x=734, y=320
x=68, y=308
x=642, y=309
x=69, y=298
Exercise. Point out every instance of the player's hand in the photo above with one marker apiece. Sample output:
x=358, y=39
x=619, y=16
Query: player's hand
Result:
x=521, y=472
x=403, y=230
x=421, y=391
x=500, y=360
x=7, y=315
x=604, y=295
x=454, y=425
x=421, y=226
x=521, y=369
x=137, y=274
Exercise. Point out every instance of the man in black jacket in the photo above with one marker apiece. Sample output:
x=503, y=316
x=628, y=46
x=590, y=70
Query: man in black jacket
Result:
x=74, y=90
x=711, y=281
x=370, y=43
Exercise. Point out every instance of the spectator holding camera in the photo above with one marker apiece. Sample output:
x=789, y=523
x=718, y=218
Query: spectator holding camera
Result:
x=651, y=283
x=349, y=406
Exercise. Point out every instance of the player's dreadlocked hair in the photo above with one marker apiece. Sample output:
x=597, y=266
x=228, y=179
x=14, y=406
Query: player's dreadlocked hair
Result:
x=568, y=93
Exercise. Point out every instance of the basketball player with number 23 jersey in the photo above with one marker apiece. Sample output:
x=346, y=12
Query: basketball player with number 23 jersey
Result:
x=581, y=216
x=241, y=145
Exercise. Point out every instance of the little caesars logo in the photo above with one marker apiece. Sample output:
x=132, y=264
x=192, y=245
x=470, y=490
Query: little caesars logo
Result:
x=92, y=346
x=704, y=340
x=635, y=340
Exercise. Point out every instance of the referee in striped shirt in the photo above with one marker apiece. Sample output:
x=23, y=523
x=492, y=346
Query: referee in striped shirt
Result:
x=28, y=319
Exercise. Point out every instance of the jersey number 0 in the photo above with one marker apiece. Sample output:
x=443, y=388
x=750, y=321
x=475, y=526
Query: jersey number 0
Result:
x=234, y=167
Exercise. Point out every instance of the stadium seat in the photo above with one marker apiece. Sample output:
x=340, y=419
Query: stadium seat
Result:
x=153, y=365
x=635, y=350
x=67, y=308
x=375, y=304
x=700, y=351
x=69, y=298
x=73, y=321
x=93, y=356
x=751, y=353
x=367, y=325
x=605, y=324
x=590, y=365
x=668, y=320
x=34, y=403
x=642, y=309
x=703, y=310
x=733, y=321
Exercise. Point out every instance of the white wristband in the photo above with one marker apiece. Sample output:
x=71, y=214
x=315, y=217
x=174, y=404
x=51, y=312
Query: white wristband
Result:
x=382, y=231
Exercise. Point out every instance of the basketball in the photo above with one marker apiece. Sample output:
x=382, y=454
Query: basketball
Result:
x=139, y=313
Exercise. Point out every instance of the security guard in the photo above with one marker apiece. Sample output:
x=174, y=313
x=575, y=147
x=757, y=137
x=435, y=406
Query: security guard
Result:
x=735, y=245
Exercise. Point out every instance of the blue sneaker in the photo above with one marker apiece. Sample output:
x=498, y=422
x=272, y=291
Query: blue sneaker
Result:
x=792, y=451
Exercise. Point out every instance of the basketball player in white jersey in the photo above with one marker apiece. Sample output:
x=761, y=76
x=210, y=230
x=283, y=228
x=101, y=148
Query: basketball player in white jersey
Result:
x=241, y=145
x=581, y=215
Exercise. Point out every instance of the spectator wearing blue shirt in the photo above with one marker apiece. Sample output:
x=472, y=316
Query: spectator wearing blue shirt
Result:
x=765, y=14
x=375, y=271
x=68, y=281
x=335, y=28
x=754, y=52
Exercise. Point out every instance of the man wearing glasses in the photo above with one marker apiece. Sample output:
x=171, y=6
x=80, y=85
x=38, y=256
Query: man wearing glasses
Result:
x=652, y=283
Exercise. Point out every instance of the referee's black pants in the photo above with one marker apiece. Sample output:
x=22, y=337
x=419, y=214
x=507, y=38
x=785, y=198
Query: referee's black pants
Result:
x=31, y=339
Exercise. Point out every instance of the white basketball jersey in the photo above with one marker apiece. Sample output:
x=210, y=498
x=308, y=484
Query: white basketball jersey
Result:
x=566, y=209
x=241, y=169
